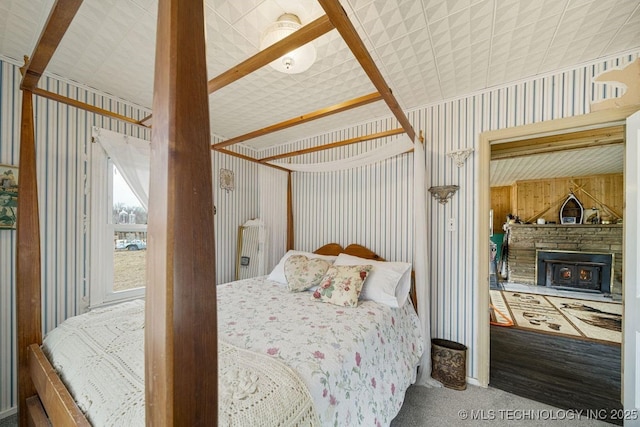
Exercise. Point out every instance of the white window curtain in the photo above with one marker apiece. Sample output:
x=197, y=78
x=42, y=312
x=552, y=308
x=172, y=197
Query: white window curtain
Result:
x=131, y=157
x=272, y=208
x=421, y=263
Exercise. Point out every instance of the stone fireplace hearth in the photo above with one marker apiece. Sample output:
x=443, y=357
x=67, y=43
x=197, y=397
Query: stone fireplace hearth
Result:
x=526, y=241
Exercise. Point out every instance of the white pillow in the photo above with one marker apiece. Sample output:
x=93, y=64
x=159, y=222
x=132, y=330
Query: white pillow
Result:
x=277, y=275
x=387, y=283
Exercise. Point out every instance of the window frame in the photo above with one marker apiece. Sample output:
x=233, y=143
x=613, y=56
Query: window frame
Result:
x=102, y=230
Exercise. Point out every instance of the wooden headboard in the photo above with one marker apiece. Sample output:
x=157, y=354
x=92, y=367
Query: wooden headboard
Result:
x=353, y=249
x=362, y=252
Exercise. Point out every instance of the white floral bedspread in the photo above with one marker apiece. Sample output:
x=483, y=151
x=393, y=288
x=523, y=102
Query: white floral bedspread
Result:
x=356, y=362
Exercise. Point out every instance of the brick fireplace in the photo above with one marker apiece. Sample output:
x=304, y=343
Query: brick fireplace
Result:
x=569, y=262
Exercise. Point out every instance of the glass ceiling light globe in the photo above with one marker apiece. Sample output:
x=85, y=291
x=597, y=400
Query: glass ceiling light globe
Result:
x=296, y=61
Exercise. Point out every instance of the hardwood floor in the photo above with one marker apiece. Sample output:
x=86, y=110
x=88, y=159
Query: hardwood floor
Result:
x=563, y=372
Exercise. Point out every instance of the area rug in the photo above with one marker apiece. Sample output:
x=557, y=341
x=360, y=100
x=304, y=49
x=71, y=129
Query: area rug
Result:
x=593, y=320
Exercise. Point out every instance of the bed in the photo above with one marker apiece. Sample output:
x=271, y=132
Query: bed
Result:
x=285, y=359
x=181, y=323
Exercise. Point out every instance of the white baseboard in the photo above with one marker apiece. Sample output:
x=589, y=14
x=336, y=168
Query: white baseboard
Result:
x=8, y=412
x=474, y=381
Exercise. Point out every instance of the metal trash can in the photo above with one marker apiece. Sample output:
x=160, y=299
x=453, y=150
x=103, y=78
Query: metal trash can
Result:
x=449, y=363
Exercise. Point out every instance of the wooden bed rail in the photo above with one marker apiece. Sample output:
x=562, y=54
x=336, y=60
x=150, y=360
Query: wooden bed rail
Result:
x=36, y=415
x=59, y=406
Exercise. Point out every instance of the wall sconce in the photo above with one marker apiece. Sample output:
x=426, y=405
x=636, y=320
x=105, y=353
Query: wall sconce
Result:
x=460, y=156
x=443, y=193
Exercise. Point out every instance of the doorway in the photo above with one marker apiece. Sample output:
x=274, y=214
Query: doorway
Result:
x=579, y=123
x=556, y=328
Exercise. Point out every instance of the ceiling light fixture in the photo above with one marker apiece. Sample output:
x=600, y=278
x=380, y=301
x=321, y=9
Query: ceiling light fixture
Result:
x=296, y=61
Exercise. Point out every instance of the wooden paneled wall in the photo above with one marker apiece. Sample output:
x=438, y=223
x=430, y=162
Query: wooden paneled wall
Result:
x=501, y=205
x=542, y=198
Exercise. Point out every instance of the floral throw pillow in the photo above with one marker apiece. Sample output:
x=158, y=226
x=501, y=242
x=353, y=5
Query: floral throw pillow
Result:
x=303, y=273
x=341, y=285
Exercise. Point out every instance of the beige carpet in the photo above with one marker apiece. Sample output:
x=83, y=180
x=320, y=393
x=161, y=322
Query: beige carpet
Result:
x=477, y=406
x=594, y=320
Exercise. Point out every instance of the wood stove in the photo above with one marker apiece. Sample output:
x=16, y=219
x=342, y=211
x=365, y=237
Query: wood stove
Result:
x=590, y=272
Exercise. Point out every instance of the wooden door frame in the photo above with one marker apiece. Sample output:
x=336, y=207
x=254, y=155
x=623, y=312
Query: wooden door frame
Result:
x=559, y=126
x=631, y=320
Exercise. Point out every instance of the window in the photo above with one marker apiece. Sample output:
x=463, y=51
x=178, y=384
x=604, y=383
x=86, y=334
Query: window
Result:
x=118, y=235
x=129, y=222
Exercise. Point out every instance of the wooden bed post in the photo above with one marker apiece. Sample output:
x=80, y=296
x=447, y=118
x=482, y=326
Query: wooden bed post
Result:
x=28, y=277
x=289, y=213
x=181, y=332
x=28, y=268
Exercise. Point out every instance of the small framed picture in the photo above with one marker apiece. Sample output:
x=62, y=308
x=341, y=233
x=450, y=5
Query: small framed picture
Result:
x=8, y=196
x=226, y=180
x=568, y=219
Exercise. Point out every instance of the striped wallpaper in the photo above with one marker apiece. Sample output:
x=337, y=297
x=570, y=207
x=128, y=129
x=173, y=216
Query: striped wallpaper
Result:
x=370, y=205
x=9, y=153
x=272, y=184
x=456, y=125
x=62, y=137
x=233, y=208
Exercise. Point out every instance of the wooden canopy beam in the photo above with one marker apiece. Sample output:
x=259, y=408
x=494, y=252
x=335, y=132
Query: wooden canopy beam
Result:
x=84, y=106
x=341, y=21
x=304, y=35
x=181, y=342
x=323, y=112
x=248, y=158
x=554, y=143
x=60, y=17
x=335, y=144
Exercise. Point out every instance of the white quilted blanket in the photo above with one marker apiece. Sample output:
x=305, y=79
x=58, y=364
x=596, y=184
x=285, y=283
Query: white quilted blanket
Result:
x=93, y=350
x=255, y=391
x=354, y=364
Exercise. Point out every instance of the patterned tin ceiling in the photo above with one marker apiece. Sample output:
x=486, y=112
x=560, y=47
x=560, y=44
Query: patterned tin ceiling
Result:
x=427, y=50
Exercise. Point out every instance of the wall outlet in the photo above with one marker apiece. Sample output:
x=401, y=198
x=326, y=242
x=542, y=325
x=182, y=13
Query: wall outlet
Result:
x=451, y=224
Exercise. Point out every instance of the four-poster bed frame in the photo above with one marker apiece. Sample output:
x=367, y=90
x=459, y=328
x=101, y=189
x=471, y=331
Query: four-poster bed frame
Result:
x=181, y=329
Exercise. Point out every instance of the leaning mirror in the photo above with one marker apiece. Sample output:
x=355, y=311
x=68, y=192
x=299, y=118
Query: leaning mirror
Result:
x=250, y=262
